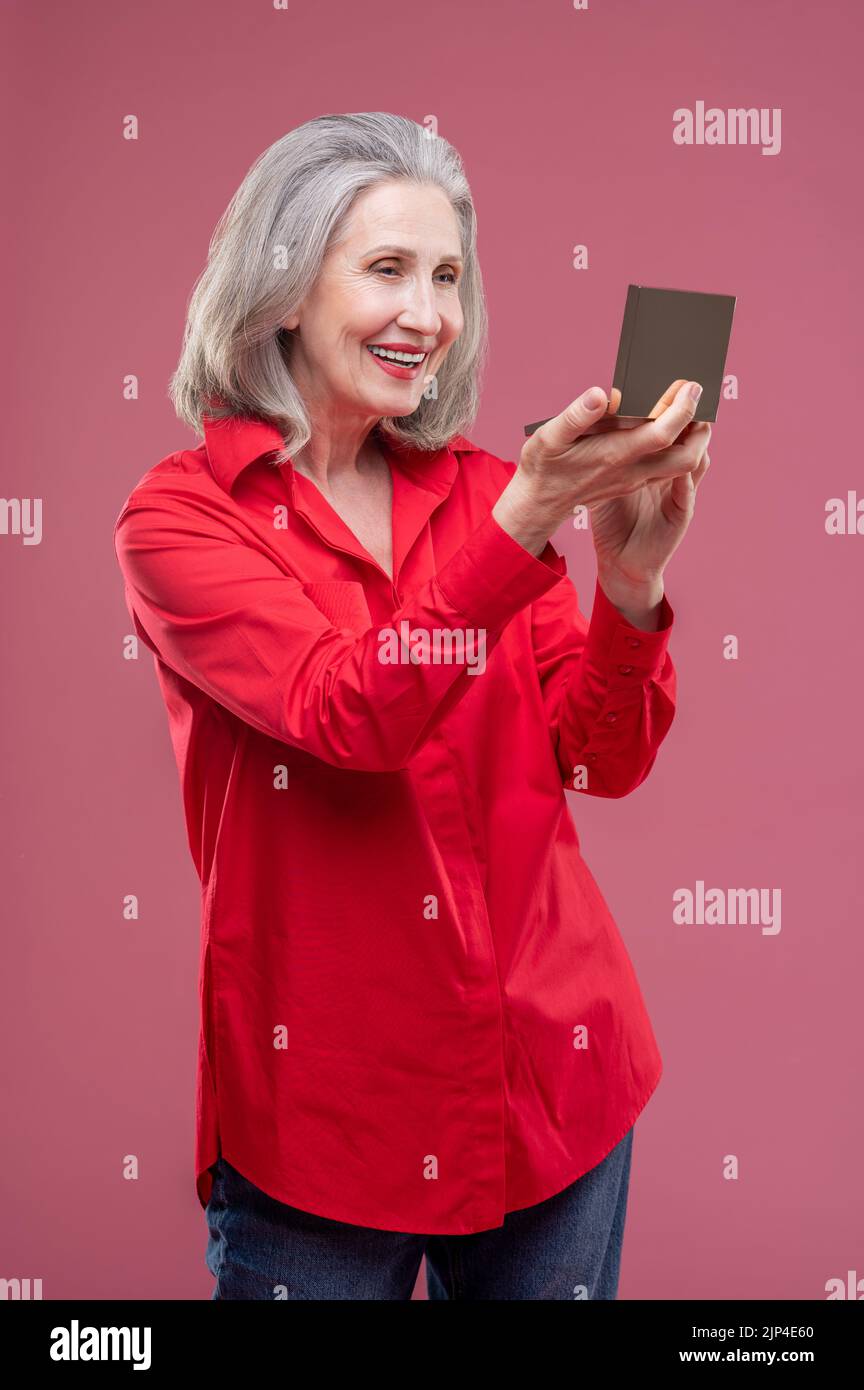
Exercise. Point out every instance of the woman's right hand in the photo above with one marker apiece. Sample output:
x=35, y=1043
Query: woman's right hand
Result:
x=563, y=466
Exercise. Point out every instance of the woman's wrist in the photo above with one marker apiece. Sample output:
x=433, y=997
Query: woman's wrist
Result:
x=638, y=602
x=526, y=517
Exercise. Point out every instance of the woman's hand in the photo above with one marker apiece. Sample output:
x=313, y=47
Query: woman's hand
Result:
x=638, y=483
x=636, y=534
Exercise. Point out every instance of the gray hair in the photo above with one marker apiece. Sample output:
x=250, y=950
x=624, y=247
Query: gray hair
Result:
x=297, y=195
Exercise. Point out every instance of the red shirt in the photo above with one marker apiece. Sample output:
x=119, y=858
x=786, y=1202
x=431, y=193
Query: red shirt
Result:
x=417, y=1012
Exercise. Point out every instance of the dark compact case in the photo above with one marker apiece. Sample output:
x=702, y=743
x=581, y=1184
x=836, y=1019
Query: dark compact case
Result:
x=667, y=334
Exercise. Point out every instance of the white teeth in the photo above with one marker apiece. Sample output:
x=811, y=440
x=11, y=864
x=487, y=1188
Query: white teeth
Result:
x=409, y=359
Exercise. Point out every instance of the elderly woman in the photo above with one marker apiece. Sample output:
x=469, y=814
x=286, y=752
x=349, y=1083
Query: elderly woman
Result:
x=421, y=1033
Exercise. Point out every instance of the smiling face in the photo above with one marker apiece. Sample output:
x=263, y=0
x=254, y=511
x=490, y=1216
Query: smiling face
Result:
x=393, y=280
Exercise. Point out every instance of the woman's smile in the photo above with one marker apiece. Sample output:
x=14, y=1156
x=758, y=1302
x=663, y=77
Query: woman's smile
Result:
x=396, y=361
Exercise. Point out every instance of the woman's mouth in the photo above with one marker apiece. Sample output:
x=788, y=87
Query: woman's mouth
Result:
x=405, y=365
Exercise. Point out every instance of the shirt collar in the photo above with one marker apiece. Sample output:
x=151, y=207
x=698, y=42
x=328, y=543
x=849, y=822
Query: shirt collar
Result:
x=235, y=442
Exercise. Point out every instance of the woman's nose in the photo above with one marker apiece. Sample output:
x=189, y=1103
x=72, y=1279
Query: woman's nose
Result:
x=419, y=310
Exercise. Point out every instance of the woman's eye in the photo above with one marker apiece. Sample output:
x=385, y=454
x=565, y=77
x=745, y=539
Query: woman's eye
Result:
x=384, y=269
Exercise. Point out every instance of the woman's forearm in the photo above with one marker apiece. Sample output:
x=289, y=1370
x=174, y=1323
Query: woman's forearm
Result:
x=526, y=518
x=531, y=522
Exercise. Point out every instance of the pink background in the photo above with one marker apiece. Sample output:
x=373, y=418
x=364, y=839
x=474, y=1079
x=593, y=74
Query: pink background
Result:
x=564, y=120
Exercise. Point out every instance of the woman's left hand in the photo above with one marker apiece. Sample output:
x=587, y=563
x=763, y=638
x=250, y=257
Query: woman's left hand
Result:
x=636, y=535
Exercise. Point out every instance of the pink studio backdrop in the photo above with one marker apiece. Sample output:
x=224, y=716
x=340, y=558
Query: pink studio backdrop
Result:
x=564, y=119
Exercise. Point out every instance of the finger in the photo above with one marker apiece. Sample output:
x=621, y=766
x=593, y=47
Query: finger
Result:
x=702, y=469
x=611, y=421
x=656, y=435
x=561, y=432
x=681, y=493
x=607, y=422
x=667, y=398
x=657, y=462
x=685, y=456
x=698, y=434
x=683, y=488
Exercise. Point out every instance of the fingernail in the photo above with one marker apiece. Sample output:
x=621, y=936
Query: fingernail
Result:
x=695, y=390
x=593, y=399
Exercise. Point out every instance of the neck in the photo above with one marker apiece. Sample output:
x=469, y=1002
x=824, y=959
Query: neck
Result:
x=338, y=449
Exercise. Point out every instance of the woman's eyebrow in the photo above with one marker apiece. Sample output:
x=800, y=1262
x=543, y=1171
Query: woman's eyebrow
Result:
x=407, y=252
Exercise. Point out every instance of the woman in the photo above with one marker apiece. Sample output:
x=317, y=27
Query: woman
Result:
x=420, y=1029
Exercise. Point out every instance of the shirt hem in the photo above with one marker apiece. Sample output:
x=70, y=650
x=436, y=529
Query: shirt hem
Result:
x=352, y=1216
x=558, y=1185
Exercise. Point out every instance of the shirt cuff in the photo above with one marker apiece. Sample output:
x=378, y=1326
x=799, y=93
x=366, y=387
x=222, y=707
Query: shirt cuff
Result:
x=491, y=577
x=618, y=651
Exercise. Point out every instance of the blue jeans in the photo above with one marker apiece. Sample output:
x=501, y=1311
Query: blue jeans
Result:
x=568, y=1247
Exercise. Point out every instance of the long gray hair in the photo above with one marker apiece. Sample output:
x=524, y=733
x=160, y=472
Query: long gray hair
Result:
x=266, y=253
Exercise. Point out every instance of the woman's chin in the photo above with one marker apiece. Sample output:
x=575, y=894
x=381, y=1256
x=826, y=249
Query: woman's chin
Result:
x=395, y=402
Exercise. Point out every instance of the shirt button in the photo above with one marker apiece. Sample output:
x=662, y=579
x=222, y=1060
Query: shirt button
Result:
x=625, y=670
x=610, y=718
x=633, y=642
x=592, y=757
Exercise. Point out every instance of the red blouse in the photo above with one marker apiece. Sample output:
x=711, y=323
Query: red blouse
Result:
x=417, y=1012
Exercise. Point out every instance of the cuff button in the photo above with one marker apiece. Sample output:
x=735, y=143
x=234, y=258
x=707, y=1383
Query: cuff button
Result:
x=633, y=642
x=625, y=670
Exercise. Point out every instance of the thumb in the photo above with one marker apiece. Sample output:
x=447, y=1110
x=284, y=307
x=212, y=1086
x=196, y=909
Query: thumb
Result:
x=562, y=430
